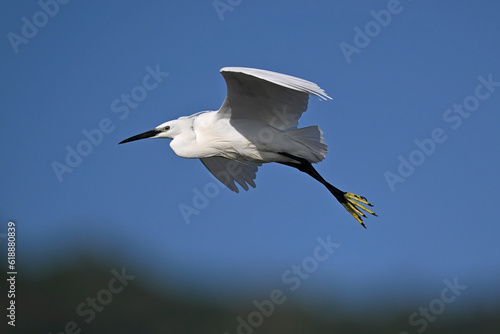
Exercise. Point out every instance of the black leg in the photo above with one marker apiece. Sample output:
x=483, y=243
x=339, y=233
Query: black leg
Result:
x=351, y=202
x=305, y=166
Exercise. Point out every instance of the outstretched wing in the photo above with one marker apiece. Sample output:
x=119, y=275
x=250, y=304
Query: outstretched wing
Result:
x=273, y=98
x=228, y=171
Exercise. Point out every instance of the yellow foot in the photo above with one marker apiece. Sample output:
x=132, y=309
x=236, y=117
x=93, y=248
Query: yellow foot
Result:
x=353, y=206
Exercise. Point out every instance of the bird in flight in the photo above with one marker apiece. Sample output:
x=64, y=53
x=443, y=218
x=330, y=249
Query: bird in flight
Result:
x=256, y=124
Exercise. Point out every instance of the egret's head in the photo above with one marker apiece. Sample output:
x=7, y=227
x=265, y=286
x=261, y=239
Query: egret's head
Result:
x=164, y=130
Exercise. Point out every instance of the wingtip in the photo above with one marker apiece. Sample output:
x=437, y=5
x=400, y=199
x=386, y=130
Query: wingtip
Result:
x=323, y=96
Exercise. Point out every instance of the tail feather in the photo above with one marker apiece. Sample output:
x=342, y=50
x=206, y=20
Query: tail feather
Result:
x=312, y=138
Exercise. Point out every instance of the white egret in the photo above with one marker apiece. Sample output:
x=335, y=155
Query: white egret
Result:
x=256, y=124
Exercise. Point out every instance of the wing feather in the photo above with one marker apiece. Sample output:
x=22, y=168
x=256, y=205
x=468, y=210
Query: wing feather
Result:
x=228, y=171
x=273, y=98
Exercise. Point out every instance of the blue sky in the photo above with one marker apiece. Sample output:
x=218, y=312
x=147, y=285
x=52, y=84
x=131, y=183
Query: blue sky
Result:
x=402, y=81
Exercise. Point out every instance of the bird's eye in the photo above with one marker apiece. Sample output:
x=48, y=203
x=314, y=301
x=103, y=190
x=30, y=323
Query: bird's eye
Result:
x=167, y=128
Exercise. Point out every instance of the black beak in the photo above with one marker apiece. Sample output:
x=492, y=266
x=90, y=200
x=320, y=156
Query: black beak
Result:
x=147, y=134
